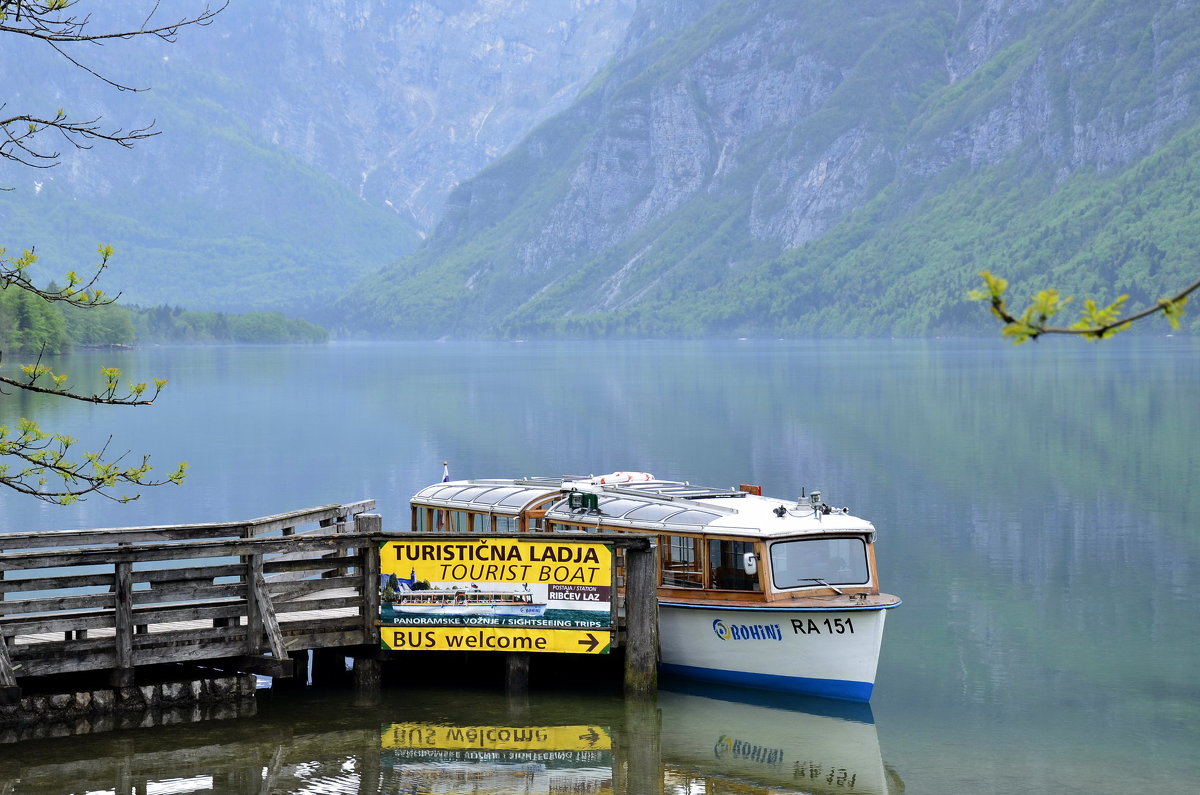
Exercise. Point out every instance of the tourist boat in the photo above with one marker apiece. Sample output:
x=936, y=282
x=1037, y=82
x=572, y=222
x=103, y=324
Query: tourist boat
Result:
x=753, y=591
x=467, y=601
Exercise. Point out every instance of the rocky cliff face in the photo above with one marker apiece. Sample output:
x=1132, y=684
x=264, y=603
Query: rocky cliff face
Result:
x=405, y=100
x=756, y=130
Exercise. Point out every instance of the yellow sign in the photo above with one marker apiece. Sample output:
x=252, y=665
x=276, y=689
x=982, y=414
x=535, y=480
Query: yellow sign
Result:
x=425, y=736
x=499, y=560
x=507, y=639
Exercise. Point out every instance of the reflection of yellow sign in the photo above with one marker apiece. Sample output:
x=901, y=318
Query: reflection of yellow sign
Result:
x=424, y=736
x=510, y=639
x=499, y=560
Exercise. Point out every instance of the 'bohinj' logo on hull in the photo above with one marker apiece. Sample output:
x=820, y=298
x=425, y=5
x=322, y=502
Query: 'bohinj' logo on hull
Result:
x=747, y=631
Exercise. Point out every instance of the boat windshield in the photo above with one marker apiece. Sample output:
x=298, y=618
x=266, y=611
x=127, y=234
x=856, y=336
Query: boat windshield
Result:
x=817, y=561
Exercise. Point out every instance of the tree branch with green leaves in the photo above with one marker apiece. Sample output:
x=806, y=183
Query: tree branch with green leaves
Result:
x=33, y=461
x=44, y=465
x=1096, y=321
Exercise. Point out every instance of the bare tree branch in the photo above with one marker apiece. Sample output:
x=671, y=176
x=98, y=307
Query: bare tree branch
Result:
x=53, y=22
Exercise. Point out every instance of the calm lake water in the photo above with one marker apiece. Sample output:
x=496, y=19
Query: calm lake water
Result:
x=1037, y=512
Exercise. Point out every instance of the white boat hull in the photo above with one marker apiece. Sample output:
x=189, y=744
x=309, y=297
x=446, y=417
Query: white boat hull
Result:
x=822, y=652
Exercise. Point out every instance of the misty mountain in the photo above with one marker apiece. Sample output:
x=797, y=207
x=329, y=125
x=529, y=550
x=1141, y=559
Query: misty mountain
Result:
x=811, y=167
x=303, y=144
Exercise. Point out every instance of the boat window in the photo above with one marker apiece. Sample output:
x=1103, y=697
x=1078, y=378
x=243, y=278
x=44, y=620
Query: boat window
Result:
x=699, y=518
x=460, y=522
x=506, y=524
x=652, y=513
x=494, y=495
x=429, y=491
x=519, y=498
x=680, y=563
x=421, y=519
x=618, y=506
x=726, y=561
x=469, y=495
x=446, y=492
x=801, y=564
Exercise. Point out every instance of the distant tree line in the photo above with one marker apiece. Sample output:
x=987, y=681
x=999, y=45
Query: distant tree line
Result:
x=28, y=324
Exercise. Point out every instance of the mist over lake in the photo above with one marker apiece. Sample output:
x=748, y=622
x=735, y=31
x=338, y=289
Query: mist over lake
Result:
x=1035, y=505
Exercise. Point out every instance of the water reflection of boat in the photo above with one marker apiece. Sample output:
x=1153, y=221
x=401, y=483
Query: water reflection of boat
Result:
x=467, y=602
x=714, y=735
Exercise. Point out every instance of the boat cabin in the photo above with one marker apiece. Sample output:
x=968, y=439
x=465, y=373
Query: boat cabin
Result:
x=713, y=544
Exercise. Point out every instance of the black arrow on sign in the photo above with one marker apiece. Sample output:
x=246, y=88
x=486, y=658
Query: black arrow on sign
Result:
x=591, y=642
x=592, y=736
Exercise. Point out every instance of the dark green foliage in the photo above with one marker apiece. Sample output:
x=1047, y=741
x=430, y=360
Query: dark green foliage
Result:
x=29, y=324
x=167, y=325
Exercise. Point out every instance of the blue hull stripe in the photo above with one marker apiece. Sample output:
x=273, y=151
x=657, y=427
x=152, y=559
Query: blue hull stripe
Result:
x=826, y=688
x=780, y=608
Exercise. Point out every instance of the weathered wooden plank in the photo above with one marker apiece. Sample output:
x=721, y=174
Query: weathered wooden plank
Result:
x=58, y=623
x=269, y=624
x=308, y=563
x=187, y=574
x=66, y=663
x=58, y=604
x=55, y=581
x=167, y=594
x=331, y=603
x=8, y=677
x=191, y=612
x=112, y=536
x=199, y=550
x=301, y=589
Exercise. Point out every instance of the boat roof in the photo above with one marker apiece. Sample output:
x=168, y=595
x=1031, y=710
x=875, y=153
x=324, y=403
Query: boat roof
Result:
x=649, y=505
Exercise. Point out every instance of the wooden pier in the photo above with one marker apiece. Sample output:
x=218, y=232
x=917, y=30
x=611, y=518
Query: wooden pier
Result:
x=248, y=597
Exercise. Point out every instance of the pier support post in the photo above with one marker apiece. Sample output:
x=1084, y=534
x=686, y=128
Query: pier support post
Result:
x=370, y=523
x=641, y=621
x=367, y=678
x=516, y=672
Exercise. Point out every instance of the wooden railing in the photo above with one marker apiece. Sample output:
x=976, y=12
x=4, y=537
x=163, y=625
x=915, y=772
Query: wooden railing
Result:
x=250, y=592
x=240, y=596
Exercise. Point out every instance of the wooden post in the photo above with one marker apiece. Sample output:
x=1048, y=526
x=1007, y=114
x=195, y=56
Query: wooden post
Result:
x=516, y=672
x=266, y=612
x=641, y=621
x=370, y=523
x=367, y=680
x=122, y=675
x=251, y=566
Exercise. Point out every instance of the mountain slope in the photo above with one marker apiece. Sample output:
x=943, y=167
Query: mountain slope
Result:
x=815, y=167
x=304, y=144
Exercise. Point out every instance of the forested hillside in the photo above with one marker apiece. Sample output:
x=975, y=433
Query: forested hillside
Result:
x=794, y=167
